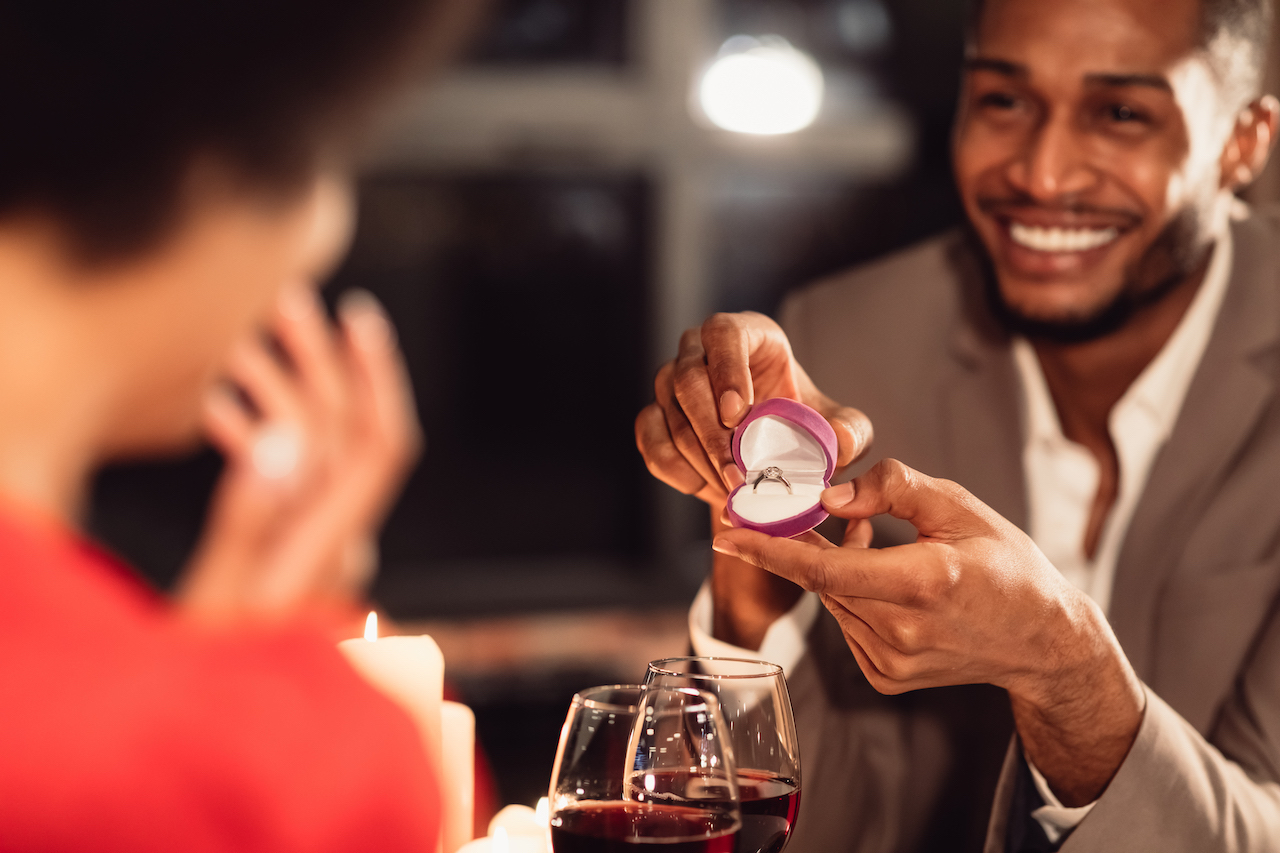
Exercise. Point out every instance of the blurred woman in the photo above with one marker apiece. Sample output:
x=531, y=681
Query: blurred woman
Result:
x=173, y=183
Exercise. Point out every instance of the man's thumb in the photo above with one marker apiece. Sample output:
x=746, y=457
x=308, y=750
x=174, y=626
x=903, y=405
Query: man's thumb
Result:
x=933, y=507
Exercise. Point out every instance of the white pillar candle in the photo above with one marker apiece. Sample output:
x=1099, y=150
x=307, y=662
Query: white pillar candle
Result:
x=502, y=842
x=518, y=820
x=458, y=753
x=409, y=671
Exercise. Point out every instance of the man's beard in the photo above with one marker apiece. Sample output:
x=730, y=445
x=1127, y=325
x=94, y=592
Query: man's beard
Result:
x=1179, y=251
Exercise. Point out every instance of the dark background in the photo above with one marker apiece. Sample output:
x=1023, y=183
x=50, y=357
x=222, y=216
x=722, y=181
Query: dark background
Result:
x=523, y=297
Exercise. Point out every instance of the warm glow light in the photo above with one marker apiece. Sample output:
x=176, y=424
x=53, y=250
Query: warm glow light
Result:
x=761, y=86
x=371, y=627
x=543, y=812
x=501, y=844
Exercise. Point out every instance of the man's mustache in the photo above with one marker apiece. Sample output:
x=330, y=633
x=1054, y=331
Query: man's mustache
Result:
x=1008, y=205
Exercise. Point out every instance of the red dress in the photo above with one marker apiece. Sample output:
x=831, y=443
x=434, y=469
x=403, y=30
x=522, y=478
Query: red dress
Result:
x=125, y=728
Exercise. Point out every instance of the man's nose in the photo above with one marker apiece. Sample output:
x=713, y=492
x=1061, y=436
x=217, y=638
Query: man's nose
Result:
x=1053, y=162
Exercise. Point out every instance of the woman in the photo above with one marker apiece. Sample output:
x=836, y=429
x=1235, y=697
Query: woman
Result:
x=173, y=183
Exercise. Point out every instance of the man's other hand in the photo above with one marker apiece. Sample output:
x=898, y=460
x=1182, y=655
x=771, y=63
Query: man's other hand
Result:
x=720, y=371
x=973, y=600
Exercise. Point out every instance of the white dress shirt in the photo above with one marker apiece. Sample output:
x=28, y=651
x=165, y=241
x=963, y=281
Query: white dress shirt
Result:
x=1062, y=482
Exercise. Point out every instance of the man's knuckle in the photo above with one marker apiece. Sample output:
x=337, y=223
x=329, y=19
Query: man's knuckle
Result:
x=902, y=635
x=895, y=667
x=934, y=583
x=825, y=571
x=720, y=322
x=663, y=381
x=667, y=459
x=650, y=423
x=684, y=438
x=928, y=590
x=689, y=386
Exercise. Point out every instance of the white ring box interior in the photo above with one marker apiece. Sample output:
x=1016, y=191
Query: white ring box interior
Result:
x=773, y=441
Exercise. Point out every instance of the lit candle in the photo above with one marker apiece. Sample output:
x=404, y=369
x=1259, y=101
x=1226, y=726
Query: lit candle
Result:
x=409, y=671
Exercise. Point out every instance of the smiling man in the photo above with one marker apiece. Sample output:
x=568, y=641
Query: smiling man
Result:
x=1093, y=360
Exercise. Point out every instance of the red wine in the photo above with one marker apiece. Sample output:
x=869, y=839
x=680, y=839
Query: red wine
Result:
x=769, y=806
x=618, y=827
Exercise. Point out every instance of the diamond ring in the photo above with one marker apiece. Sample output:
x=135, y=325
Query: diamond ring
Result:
x=773, y=473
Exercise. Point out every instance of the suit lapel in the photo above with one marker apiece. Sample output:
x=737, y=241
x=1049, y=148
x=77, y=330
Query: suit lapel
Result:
x=981, y=415
x=1226, y=397
x=980, y=403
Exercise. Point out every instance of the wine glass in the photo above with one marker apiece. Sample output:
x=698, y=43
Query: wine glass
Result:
x=642, y=766
x=757, y=713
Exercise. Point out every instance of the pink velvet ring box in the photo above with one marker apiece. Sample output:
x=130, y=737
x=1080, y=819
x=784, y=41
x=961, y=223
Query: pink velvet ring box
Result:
x=792, y=437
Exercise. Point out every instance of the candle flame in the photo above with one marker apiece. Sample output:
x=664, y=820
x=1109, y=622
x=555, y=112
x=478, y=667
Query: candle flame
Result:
x=371, y=627
x=501, y=844
x=543, y=812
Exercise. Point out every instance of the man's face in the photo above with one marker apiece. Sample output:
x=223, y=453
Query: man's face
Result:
x=1087, y=152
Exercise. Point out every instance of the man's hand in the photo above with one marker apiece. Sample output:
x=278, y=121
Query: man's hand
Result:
x=973, y=600
x=721, y=370
x=686, y=435
x=318, y=432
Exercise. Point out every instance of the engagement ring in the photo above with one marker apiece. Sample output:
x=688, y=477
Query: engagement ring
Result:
x=771, y=473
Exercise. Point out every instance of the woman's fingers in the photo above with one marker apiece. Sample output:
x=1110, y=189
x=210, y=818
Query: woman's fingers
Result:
x=380, y=388
x=328, y=550
x=308, y=341
x=228, y=425
x=267, y=382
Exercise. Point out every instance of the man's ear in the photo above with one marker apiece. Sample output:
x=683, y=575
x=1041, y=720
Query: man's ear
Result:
x=1250, y=144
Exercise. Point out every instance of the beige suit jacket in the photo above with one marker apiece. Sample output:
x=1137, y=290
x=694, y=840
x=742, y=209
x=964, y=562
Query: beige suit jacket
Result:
x=909, y=340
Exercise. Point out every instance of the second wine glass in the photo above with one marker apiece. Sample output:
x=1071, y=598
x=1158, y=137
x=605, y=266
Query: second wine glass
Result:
x=756, y=710
x=643, y=766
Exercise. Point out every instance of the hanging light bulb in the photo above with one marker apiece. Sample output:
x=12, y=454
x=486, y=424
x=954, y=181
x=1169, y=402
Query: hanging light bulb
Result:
x=761, y=86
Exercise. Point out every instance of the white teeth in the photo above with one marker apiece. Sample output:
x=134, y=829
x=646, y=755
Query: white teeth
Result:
x=1061, y=239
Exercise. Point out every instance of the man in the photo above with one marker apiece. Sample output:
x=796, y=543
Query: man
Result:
x=1096, y=362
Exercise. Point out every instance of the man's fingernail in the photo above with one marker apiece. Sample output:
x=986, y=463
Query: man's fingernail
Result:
x=732, y=475
x=724, y=546
x=838, y=496
x=731, y=406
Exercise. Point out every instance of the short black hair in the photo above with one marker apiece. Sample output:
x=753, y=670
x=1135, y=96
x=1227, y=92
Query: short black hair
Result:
x=105, y=105
x=1236, y=34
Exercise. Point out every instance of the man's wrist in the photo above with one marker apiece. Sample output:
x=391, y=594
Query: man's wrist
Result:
x=1079, y=715
x=745, y=604
x=746, y=600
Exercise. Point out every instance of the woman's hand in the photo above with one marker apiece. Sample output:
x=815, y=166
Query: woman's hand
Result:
x=318, y=429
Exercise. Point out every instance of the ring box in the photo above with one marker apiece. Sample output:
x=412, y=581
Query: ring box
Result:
x=785, y=434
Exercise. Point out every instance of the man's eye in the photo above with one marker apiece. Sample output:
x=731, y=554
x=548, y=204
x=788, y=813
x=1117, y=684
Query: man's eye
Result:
x=998, y=100
x=1124, y=114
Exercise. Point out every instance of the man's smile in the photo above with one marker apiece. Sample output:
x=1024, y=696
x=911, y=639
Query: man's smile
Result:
x=1048, y=242
x=1056, y=239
